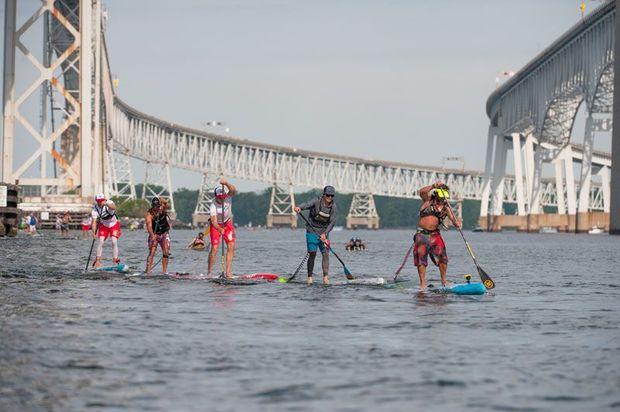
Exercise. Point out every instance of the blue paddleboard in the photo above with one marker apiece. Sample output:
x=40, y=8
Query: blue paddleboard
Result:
x=121, y=268
x=474, y=288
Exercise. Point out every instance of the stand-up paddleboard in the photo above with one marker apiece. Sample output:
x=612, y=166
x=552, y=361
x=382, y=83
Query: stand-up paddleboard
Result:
x=469, y=288
x=120, y=268
x=476, y=288
x=255, y=277
x=357, y=281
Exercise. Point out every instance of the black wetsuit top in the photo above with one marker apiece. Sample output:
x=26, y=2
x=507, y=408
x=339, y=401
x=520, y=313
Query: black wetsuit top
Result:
x=160, y=224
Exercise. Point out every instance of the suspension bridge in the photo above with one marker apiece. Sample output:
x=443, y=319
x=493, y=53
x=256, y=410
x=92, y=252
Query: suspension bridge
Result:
x=85, y=135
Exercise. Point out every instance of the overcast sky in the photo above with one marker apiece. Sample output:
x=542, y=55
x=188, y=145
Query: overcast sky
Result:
x=393, y=80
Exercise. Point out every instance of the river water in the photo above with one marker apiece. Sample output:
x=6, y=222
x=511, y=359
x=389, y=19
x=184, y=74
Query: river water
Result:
x=546, y=339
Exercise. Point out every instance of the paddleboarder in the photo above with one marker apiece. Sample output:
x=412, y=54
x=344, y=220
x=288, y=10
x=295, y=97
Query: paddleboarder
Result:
x=105, y=225
x=197, y=243
x=427, y=239
x=221, y=225
x=158, y=226
x=322, y=218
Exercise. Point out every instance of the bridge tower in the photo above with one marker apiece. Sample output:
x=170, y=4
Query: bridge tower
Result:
x=281, y=207
x=121, y=176
x=201, y=215
x=363, y=212
x=158, y=183
x=59, y=164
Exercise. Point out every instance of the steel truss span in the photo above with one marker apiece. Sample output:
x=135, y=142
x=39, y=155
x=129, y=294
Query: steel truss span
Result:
x=153, y=140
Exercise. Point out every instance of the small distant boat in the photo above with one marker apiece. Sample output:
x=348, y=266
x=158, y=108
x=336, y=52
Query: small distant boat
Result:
x=596, y=230
x=477, y=229
x=548, y=229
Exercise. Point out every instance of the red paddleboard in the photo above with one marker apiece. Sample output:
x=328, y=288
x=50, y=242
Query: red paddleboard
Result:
x=268, y=277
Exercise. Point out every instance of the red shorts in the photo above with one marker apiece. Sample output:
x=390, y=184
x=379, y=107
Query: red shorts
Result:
x=105, y=232
x=229, y=234
x=86, y=228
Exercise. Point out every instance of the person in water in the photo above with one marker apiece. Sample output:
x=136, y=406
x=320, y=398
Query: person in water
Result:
x=322, y=218
x=87, y=223
x=158, y=226
x=198, y=243
x=64, y=226
x=355, y=244
x=427, y=239
x=221, y=224
x=32, y=224
x=105, y=225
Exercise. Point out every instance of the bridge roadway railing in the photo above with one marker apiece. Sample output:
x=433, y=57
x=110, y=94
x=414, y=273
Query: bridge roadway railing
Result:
x=150, y=139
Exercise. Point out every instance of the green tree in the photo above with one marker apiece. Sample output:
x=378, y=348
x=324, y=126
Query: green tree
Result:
x=131, y=208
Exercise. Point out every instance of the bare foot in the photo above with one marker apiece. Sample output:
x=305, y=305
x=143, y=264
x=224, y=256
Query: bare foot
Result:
x=310, y=280
x=326, y=280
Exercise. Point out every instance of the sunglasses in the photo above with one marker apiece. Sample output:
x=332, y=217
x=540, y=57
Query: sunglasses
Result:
x=329, y=195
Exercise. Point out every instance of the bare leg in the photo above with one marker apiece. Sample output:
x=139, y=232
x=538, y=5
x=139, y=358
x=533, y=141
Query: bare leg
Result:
x=230, y=254
x=443, y=269
x=212, y=255
x=422, y=274
x=149, y=259
x=97, y=262
x=164, y=260
x=325, y=265
x=114, y=248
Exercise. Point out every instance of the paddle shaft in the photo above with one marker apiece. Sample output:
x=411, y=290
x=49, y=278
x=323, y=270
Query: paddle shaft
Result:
x=298, y=267
x=346, y=270
x=92, y=244
x=486, y=279
x=404, y=262
x=223, y=264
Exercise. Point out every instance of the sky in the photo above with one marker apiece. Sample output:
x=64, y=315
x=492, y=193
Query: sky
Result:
x=393, y=80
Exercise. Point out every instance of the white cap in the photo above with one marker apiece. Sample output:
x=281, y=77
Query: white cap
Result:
x=99, y=197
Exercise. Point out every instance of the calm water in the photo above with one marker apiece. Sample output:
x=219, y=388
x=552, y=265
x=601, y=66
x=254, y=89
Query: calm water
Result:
x=547, y=339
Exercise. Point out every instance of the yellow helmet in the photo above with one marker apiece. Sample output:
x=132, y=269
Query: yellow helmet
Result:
x=442, y=193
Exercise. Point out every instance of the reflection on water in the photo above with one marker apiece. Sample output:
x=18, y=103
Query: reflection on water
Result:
x=546, y=339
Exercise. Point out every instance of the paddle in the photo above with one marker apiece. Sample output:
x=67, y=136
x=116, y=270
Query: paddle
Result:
x=347, y=272
x=222, y=236
x=486, y=279
x=296, y=270
x=90, y=253
x=403, y=264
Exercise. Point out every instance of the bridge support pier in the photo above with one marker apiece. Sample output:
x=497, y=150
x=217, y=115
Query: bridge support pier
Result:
x=363, y=212
x=158, y=183
x=201, y=215
x=281, y=208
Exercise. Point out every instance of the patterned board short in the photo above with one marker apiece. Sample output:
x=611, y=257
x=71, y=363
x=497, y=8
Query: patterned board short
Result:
x=429, y=243
x=162, y=240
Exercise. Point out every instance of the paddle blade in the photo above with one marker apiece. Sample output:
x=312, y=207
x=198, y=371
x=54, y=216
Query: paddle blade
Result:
x=347, y=273
x=486, y=279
